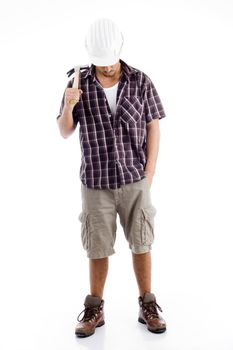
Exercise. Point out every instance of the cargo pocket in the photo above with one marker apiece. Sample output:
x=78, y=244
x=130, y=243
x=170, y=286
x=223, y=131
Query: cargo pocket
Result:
x=83, y=217
x=147, y=225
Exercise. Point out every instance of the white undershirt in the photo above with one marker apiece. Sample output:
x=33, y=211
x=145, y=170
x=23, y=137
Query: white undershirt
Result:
x=111, y=94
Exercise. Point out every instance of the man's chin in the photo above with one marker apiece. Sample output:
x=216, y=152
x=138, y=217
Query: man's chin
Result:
x=108, y=74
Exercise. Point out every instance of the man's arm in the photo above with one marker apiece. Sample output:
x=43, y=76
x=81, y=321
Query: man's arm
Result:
x=65, y=121
x=152, y=148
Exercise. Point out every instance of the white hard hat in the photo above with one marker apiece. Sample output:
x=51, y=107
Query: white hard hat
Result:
x=104, y=42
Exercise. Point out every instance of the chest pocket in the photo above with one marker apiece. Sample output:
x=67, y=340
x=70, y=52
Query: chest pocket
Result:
x=131, y=110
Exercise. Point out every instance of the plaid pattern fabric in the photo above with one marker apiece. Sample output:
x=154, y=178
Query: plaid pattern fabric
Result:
x=113, y=147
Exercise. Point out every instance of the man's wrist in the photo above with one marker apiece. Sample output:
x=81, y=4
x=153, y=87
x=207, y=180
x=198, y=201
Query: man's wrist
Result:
x=68, y=108
x=150, y=167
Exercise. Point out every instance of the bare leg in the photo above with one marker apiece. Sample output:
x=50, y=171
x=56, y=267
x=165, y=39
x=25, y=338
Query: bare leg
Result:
x=142, y=269
x=98, y=272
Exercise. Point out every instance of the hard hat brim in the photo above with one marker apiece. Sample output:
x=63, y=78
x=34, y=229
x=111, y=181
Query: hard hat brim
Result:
x=104, y=61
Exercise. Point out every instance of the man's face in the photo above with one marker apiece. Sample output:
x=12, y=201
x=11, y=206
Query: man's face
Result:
x=108, y=71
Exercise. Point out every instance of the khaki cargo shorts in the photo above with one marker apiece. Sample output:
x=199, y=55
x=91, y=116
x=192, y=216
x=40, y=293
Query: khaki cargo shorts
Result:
x=133, y=204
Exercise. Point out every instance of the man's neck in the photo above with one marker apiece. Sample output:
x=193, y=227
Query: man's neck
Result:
x=109, y=81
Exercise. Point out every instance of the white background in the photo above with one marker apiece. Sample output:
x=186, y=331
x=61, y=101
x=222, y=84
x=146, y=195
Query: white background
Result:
x=186, y=49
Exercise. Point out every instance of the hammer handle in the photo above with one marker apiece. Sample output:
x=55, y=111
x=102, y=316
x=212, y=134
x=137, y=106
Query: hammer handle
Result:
x=76, y=79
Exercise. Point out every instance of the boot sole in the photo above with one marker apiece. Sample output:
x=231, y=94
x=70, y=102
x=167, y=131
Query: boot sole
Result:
x=84, y=335
x=159, y=330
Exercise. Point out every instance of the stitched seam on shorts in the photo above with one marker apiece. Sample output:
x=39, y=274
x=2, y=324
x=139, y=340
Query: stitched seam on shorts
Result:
x=147, y=228
x=84, y=229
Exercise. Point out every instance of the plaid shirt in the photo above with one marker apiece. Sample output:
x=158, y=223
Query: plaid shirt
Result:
x=113, y=147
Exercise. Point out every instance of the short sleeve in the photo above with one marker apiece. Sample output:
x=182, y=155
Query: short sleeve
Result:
x=153, y=108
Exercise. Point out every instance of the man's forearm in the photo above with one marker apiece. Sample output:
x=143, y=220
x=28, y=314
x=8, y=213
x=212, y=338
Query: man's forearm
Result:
x=66, y=122
x=152, y=148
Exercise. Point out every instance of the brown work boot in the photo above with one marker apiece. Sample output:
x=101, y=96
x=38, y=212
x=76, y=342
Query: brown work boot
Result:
x=148, y=314
x=93, y=316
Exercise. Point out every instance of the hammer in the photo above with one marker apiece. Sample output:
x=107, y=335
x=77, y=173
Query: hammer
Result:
x=77, y=78
x=76, y=70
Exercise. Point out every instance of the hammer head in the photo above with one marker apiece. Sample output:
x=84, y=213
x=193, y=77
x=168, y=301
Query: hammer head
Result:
x=76, y=69
x=84, y=66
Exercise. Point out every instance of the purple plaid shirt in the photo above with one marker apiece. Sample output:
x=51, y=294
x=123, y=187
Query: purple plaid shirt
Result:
x=113, y=147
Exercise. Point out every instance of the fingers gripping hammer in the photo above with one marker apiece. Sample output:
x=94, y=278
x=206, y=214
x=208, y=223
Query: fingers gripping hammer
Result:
x=77, y=78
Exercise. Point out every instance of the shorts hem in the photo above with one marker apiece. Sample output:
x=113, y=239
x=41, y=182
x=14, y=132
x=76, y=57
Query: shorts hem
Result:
x=140, y=249
x=100, y=255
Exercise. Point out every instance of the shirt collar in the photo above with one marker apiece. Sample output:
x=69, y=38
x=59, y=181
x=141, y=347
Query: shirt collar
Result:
x=126, y=70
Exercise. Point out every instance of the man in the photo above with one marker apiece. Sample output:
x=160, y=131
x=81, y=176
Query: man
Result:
x=118, y=110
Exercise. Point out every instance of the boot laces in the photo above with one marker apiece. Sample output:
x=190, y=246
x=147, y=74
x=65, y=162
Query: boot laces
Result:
x=89, y=313
x=151, y=309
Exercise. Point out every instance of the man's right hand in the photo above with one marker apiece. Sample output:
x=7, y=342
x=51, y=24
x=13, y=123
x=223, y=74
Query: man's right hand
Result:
x=65, y=121
x=72, y=96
